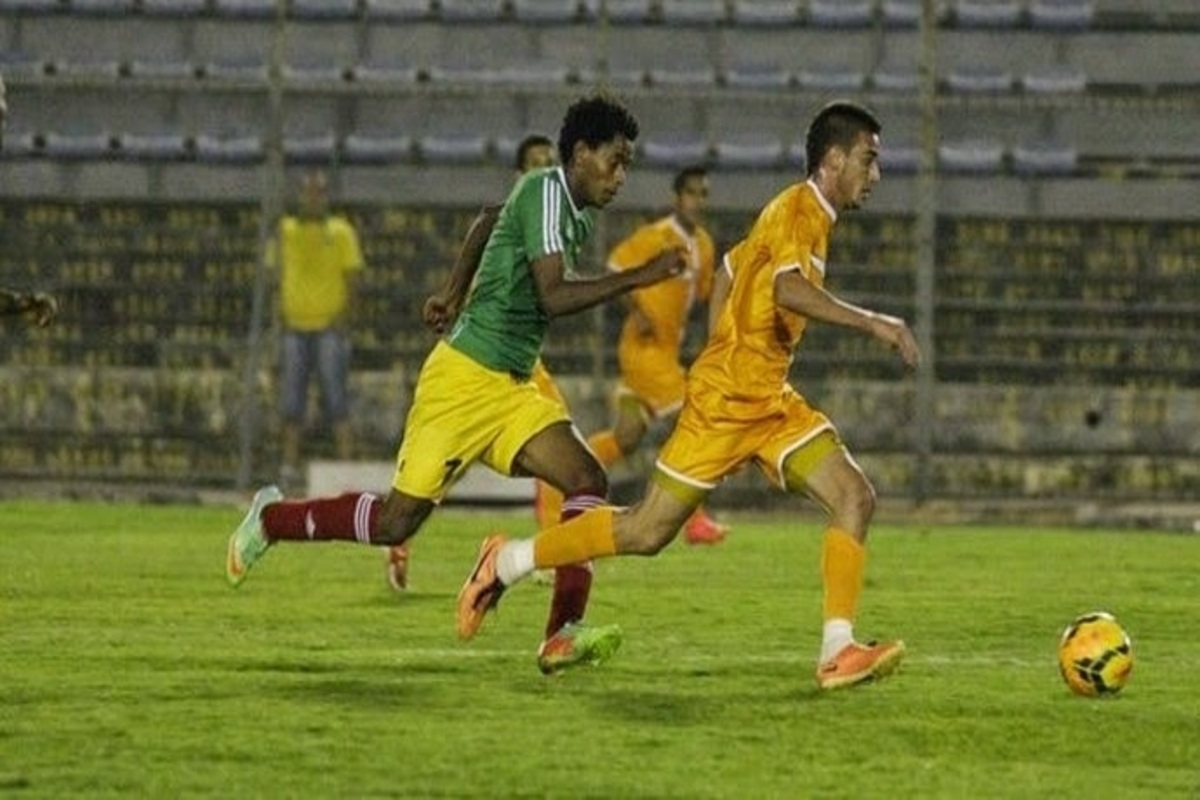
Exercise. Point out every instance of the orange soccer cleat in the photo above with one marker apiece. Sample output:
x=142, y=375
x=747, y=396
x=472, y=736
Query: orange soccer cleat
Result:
x=482, y=590
x=703, y=529
x=860, y=663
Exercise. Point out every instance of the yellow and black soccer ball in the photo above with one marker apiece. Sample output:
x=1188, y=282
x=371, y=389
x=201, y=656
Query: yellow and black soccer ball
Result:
x=1095, y=655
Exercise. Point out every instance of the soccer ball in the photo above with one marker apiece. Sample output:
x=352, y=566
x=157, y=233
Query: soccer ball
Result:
x=1095, y=655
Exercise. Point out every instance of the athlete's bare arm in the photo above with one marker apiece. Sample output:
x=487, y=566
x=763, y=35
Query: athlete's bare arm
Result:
x=441, y=309
x=560, y=296
x=796, y=294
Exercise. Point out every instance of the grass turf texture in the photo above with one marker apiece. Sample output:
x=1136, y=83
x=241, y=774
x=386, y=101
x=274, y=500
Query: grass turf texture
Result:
x=129, y=668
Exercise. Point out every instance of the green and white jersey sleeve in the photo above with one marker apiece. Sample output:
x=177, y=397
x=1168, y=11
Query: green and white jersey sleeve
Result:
x=503, y=325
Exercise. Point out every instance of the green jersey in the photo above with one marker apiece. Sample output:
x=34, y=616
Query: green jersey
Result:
x=502, y=325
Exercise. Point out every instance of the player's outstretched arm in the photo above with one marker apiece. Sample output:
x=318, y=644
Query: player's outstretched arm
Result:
x=560, y=296
x=441, y=309
x=795, y=293
x=42, y=307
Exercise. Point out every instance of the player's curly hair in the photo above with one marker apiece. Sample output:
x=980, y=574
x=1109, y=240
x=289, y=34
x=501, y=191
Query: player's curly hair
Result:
x=837, y=124
x=594, y=120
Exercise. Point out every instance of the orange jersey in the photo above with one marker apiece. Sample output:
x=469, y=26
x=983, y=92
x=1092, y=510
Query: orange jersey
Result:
x=668, y=302
x=749, y=353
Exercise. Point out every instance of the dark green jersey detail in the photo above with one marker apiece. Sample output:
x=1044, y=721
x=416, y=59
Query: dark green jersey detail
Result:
x=503, y=325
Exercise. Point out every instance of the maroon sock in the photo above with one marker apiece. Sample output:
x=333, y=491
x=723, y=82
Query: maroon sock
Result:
x=572, y=584
x=348, y=517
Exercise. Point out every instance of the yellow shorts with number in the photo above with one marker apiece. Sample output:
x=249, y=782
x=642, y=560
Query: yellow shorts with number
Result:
x=463, y=412
x=716, y=435
x=653, y=375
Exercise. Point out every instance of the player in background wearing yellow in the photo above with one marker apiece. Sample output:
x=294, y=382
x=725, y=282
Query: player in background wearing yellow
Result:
x=440, y=311
x=40, y=307
x=741, y=409
x=653, y=380
x=319, y=261
x=475, y=400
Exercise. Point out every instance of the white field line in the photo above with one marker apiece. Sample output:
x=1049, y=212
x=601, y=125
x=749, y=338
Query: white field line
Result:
x=698, y=659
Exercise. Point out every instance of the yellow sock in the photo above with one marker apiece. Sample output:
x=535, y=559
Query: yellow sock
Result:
x=843, y=560
x=604, y=445
x=588, y=536
x=548, y=506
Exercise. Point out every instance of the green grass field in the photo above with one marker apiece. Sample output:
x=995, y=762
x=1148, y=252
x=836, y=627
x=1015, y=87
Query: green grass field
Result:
x=129, y=668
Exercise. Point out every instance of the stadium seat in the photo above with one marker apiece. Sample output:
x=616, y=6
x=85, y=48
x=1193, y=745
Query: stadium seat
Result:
x=18, y=63
x=758, y=76
x=376, y=148
x=765, y=13
x=100, y=7
x=547, y=11
x=174, y=8
x=161, y=68
x=896, y=79
x=840, y=13
x=899, y=158
x=245, y=9
x=85, y=67
x=19, y=144
x=675, y=149
x=627, y=12
x=229, y=148
x=324, y=9
x=835, y=79
x=396, y=10
x=976, y=156
x=987, y=13
x=453, y=148
x=70, y=146
x=313, y=72
x=310, y=149
x=30, y=6
x=901, y=13
x=1045, y=157
x=1054, y=79
x=679, y=74
x=748, y=151
x=472, y=10
x=693, y=12
x=236, y=70
x=621, y=76
x=979, y=79
x=1072, y=15
x=152, y=146
x=382, y=72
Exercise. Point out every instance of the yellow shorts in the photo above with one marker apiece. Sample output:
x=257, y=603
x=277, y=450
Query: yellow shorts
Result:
x=544, y=381
x=463, y=412
x=715, y=436
x=654, y=376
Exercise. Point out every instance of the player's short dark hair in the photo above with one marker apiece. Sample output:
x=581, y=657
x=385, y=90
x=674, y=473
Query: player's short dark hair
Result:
x=528, y=143
x=594, y=120
x=686, y=174
x=838, y=124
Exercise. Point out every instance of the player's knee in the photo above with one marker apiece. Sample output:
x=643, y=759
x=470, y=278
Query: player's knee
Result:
x=650, y=537
x=857, y=505
x=399, y=520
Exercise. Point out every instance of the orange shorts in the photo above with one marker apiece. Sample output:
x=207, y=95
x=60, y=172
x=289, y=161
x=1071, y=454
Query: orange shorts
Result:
x=654, y=376
x=716, y=435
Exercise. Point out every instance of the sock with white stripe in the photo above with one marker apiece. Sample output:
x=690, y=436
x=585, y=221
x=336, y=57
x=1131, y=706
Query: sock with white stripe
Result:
x=349, y=517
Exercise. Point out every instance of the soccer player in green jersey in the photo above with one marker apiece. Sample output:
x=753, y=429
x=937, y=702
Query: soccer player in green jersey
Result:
x=474, y=400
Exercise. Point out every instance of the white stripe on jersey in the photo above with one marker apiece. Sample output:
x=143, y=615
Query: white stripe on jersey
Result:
x=551, y=208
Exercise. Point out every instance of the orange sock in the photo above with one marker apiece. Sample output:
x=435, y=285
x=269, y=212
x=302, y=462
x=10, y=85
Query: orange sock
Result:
x=547, y=505
x=843, y=560
x=604, y=445
x=588, y=536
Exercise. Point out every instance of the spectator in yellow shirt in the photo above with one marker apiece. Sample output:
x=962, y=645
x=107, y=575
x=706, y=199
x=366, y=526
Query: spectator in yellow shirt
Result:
x=319, y=262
